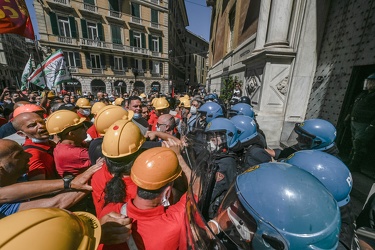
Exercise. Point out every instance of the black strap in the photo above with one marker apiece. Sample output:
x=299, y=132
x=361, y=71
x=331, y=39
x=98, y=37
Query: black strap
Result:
x=49, y=151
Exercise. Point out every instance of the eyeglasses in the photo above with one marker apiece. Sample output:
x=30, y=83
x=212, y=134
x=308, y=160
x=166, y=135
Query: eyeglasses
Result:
x=158, y=124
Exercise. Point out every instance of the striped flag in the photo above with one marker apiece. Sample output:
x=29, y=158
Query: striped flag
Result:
x=26, y=73
x=51, y=72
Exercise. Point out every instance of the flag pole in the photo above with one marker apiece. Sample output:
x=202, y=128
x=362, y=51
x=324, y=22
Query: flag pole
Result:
x=40, y=62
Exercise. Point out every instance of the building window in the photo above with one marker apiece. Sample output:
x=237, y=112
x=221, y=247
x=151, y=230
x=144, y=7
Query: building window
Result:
x=64, y=27
x=156, y=67
x=72, y=59
x=232, y=17
x=95, y=61
x=116, y=34
x=136, y=13
x=118, y=63
x=92, y=30
x=154, y=17
x=155, y=44
x=137, y=40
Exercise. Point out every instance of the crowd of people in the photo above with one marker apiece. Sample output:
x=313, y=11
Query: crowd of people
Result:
x=129, y=161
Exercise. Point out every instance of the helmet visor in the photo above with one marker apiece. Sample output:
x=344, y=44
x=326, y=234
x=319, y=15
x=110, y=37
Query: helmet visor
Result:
x=232, y=113
x=216, y=140
x=305, y=140
x=236, y=223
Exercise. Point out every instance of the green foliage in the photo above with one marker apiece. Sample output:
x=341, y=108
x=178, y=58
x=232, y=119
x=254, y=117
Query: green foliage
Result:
x=228, y=88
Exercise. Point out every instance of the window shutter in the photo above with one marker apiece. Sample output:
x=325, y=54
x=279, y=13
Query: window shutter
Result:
x=73, y=28
x=84, y=28
x=154, y=16
x=143, y=40
x=55, y=28
x=132, y=63
x=113, y=5
x=88, y=60
x=102, y=61
x=135, y=10
x=131, y=37
x=77, y=57
x=125, y=62
x=100, y=32
x=160, y=44
x=112, y=61
x=150, y=44
x=144, y=64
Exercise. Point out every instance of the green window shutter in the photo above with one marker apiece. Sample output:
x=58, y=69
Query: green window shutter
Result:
x=160, y=44
x=88, y=60
x=55, y=27
x=131, y=38
x=92, y=2
x=150, y=44
x=143, y=37
x=102, y=61
x=125, y=62
x=84, y=28
x=114, y=5
x=100, y=31
x=135, y=10
x=73, y=28
x=77, y=57
x=154, y=16
x=116, y=34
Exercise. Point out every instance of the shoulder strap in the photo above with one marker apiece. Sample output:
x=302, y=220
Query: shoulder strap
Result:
x=49, y=151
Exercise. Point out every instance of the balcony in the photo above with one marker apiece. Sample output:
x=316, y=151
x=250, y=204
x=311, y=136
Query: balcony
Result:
x=154, y=1
x=62, y=2
x=155, y=74
x=117, y=46
x=118, y=71
x=136, y=20
x=137, y=50
x=97, y=71
x=156, y=53
x=73, y=69
x=93, y=43
x=67, y=40
x=90, y=7
x=154, y=25
x=115, y=14
x=141, y=72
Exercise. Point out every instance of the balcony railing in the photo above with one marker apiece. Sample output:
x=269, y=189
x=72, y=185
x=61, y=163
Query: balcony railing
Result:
x=67, y=40
x=73, y=69
x=154, y=1
x=117, y=46
x=93, y=43
x=155, y=74
x=136, y=19
x=156, y=53
x=114, y=14
x=154, y=25
x=137, y=50
x=90, y=7
x=97, y=71
x=62, y=2
x=118, y=71
x=141, y=72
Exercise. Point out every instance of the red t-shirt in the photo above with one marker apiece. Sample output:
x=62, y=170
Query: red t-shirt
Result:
x=99, y=181
x=157, y=228
x=71, y=159
x=153, y=120
x=92, y=132
x=41, y=161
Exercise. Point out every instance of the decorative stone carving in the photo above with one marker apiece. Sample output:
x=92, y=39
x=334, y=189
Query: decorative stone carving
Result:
x=252, y=84
x=282, y=86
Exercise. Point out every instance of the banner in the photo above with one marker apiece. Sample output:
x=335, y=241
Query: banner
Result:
x=26, y=73
x=15, y=18
x=51, y=72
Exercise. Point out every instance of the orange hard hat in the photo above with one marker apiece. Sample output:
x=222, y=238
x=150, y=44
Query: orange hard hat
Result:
x=108, y=115
x=97, y=106
x=60, y=120
x=122, y=138
x=155, y=168
x=119, y=101
x=27, y=108
x=83, y=103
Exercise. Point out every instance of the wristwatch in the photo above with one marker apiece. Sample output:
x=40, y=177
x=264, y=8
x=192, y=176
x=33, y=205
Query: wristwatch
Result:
x=67, y=181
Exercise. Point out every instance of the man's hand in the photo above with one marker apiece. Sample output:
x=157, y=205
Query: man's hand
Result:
x=80, y=182
x=6, y=89
x=174, y=145
x=152, y=135
x=116, y=228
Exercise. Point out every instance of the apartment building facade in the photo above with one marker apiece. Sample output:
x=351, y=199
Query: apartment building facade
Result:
x=109, y=45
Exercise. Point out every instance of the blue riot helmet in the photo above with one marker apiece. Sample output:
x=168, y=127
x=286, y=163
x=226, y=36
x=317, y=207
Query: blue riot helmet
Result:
x=246, y=127
x=211, y=97
x=279, y=206
x=332, y=172
x=315, y=134
x=241, y=109
x=221, y=134
x=211, y=110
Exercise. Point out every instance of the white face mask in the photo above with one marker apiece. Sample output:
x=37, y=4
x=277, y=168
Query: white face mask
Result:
x=137, y=115
x=86, y=112
x=193, y=110
x=211, y=146
x=38, y=140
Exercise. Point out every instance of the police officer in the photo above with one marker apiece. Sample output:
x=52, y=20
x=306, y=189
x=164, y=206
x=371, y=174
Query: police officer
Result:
x=363, y=123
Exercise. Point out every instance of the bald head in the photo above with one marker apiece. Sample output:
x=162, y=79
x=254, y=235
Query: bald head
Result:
x=7, y=147
x=30, y=124
x=166, y=123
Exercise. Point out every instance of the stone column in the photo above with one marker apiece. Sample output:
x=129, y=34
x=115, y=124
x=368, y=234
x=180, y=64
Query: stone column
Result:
x=279, y=23
x=264, y=14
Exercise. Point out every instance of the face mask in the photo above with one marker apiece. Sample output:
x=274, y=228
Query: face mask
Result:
x=211, y=146
x=158, y=129
x=193, y=110
x=137, y=115
x=39, y=140
x=86, y=112
x=8, y=101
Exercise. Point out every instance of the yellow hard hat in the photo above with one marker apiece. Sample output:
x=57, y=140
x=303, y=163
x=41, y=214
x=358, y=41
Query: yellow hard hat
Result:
x=97, y=106
x=143, y=95
x=160, y=103
x=122, y=138
x=184, y=102
x=186, y=97
x=108, y=115
x=119, y=101
x=155, y=168
x=60, y=120
x=83, y=103
x=50, y=228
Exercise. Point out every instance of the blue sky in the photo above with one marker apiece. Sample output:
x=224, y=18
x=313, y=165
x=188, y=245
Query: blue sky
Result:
x=198, y=13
